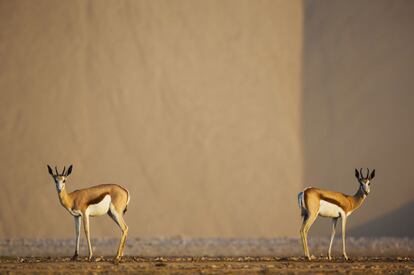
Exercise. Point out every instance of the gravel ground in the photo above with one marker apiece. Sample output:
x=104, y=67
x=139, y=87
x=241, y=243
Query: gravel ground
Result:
x=205, y=265
x=210, y=256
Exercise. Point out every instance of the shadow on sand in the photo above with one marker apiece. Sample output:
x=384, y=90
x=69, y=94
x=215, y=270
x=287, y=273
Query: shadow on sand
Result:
x=398, y=223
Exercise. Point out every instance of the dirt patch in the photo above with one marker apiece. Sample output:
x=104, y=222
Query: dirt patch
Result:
x=205, y=265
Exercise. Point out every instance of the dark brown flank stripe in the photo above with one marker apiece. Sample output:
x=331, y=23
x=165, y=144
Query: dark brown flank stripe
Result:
x=326, y=198
x=97, y=199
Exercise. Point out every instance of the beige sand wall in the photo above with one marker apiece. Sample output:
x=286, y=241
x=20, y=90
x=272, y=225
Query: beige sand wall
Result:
x=358, y=98
x=194, y=106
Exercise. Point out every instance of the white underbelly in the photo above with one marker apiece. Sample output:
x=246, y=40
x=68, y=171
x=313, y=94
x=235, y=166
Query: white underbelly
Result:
x=100, y=208
x=330, y=210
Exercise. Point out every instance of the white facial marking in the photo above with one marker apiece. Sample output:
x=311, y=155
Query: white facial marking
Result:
x=60, y=184
x=100, y=208
x=366, y=187
x=330, y=210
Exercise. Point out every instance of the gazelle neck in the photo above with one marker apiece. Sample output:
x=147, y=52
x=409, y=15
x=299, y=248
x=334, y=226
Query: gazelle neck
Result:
x=64, y=198
x=358, y=198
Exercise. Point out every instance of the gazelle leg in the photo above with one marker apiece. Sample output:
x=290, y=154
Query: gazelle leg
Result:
x=117, y=216
x=308, y=223
x=334, y=221
x=302, y=234
x=124, y=235
x=78, y=223
x=88, y=237
x=343, y=235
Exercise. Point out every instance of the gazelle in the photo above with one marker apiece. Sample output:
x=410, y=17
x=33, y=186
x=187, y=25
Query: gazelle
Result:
x=97, y=200
x=314, y=202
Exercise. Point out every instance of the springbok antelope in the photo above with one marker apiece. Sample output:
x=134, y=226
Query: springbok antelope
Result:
x=97, y=200
x=314, y=202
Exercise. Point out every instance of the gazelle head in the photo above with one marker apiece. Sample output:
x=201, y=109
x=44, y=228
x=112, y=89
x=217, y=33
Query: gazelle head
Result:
x=60, y=178
x=365, y=182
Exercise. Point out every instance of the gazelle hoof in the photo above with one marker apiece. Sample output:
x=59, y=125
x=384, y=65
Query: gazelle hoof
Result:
x=117, y=260
x=329, y=258
x=346, y=258
x=74, y=257
x=90, y=258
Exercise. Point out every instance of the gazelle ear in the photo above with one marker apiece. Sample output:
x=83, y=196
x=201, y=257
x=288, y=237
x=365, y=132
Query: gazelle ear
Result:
x=356, y=173
x=372, y=174
x=50, y=170
x=69, y=170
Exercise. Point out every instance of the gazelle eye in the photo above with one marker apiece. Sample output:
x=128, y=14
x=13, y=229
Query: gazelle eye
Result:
x=64, y=181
